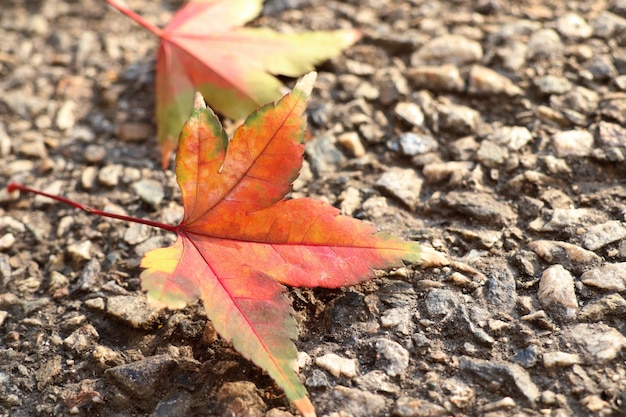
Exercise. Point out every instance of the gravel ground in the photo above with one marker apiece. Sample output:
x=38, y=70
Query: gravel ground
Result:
x=493, y=130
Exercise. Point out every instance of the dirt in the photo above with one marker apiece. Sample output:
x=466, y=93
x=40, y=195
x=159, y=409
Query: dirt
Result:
x=502, y=146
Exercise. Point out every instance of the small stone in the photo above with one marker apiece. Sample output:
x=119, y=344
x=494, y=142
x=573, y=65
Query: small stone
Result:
x=144, y=377
x=480, y=206
x=596, y=405
x=57, y=281
x=416, y=407
x=80, y=251
x=95, y=303
x=34, y=149
x=95, y=153
x=602, y=342
x=560, y=359
x=599, y=68
x=610, y=277
x=611, y=135
x=567, y=254
x=602, y=234
x=137, y=233
x=572, y=26
x=612, y=305
x=3, y=316
x=491, y=155
x=88, y=177
x=352, y=143
x=544, y=44
x=572, y=143
x=375, y=207
x=436, y=78
x=65, y=118
x=89, y=279
x=509, y=377
x=338, y=366
x=404, y=184
x=391, y=357
x=134, y=131
x=151, y=243
x=18, y=166
x=53, y=188
x=504, y=403
x=109, y=175
x=411, y=144
x=552, y=84
x=441, y=303
x=514, y=137
x=350, y=200
x=150, y=191
x=608, y=25
x=448, y=49
x=323, y=155
x=458, y=118
x=132, y=310
x=527, y=357
x=355, y=402
x=485, y=81
x=6, y=241
x=557, y=292
x=439, y=171
x=410, y=113
x=83, y=339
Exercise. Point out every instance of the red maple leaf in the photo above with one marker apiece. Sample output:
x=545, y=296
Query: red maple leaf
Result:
x=204, y=48
x=240, y=239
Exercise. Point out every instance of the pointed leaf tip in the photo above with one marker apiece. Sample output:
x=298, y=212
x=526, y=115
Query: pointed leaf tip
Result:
x=198, y=101
x=306, y=83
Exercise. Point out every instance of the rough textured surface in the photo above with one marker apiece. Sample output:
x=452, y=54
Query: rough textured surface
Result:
x=499, y=132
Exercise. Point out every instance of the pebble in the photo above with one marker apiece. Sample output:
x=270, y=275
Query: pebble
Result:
x=482, y=207
x=95, y=153
x=391, y=357
x=448, y=49
x=6, y=241
x=544, y=44
x=338, y=366
x=65, y=118
x=402, y=183
x=611, y=135
x=88, y=177
x=109, y=175
x=610, y=277
x=560, y=359
x=573, y=26
x=572, y=143
x=144, y=377
x=323, y=155
x=491, y=155
x=608, y=25
x=504, y=403
x=151, y=243
x=82, y=340
x=599, y=68
x=89, y=278
x=557, y=292
x=33, y=148
x=436, y=78
x=601, y=235
x=514, y=137
x=417, y=407
x=132, y=310
x=441, y=303
x=600, y=341
x=510, y=377
x=439, y=171
x=376, y=207
x=411, y=144
x=410, y=113
x=134, y=131
x=150, y=191
x=351, y=142
x=136, y=233
x=552, y=84
x=457, y=118
x=53, y=188
x=485, y=82
x=376, y=381
x=355, y=402
x=80, y=251
x=607, y=306
x=527, y=357
x=567, y=254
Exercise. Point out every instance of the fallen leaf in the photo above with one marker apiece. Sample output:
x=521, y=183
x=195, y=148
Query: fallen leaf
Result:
x=240, y=239
x=205, y=48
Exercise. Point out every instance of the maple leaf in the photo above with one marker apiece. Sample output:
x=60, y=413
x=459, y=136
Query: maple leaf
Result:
x=205, y=48
x=240, y=239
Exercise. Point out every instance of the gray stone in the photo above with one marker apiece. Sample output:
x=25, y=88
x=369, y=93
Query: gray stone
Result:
x=82, y=340
x=602, y=234
x=611, y=135
x=448, y=49
x=500, y=289
x=608, y=25
x=567, y=254
x=458, y=118
x=610, y=277
x=509, y=377
x=391, y=357
x=544, y=44
x=144, y=377
x=137, y=233
x=132, y=310
x=417, y=407
x=324, y=155
x=441, y=303
x=485, y=81
x=355, y=402
x=601, y=342
x=482, y=207
x=573, y=26
x=491, y=155
x=411, y=144
x=89, y=278
x=95, y=153
x=436, y=78
x=376, y=381
x=150, y=191
x=552, y=84
x=572, y=143
x=514, y=137
x=109, y=175
x=557, y=293
x=612, y=305
x=404, y=184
